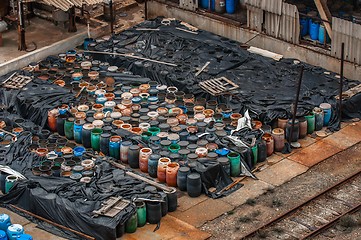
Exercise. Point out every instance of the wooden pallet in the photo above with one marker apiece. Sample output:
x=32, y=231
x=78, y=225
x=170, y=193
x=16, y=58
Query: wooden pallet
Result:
x=16, y=81
x=112, y=207
x=218, y=86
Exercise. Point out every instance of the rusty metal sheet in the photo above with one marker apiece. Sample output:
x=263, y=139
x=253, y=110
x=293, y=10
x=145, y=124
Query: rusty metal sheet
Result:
x=347, y=32
x=253, y=3
x=65, y=5
x=272, y=6
x=254, y=18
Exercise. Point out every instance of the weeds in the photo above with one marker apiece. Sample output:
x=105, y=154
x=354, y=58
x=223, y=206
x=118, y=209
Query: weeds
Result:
x=244, y=219
x=270, y=190
x=278, y=230
x=251, y=201
x=276, y=203
x=348, y=223
x=262, y=234
x=255, y=214
x=230, y=212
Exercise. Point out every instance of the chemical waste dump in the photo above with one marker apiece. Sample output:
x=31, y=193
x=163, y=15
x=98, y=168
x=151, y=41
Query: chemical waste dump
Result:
x=102, y=143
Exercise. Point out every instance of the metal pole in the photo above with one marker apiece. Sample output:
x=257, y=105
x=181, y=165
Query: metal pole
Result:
x=146, y=10
x=21, y=27
x=111, y=17
x=341, y=80
x=296, y=104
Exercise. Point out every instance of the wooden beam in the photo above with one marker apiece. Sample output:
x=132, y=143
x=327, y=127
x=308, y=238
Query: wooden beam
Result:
x=323, y=10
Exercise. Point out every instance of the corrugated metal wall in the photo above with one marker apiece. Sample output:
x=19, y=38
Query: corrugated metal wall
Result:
x=349, y=33
x=281, y=20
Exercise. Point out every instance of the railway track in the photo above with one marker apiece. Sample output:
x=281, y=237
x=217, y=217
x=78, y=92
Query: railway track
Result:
x=315, y=215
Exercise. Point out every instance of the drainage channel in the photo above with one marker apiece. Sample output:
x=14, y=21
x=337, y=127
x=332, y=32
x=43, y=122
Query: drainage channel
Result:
x=316, y=214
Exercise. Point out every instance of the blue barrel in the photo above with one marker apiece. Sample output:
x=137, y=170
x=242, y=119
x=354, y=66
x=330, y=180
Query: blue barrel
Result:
x=321, y=35
x=78, y=128
x=79, y=151
x=114, y=147
x=230, y=6
x=327, y=113
x=87, y=41
x=3, y=235
x=153, y=165
x=213, y=5
x=204, y=4
x=14, y=231
x=5, y=221
x=25, y=237
x=314, y=29
x=304, y=26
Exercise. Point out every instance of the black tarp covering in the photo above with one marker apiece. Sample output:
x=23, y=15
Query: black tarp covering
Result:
x=267, y=87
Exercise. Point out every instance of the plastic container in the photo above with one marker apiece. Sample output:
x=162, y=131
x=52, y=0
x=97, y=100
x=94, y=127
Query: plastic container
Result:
x=124, y=148
x=302, y=127
x=141, y=213
x=14, y=231
x=69, y=128
x=230, y=6
x=254, y=154
x=5, y=221
x=114, y=147
x=318, y=118
x=153, y=165
x=86, y=134
x=296, y=131
x=314, y=30
x=269, y=143
x=327, y=113
x=78, y=129
x=194, y=185
x=235, y=163
x=323, y=35
x=132, y=223
x=162, y=168
x=262, y=151
x=144, y=155
x=154, y=212
x=224, y=161
x=172, y=200
x=182, y=178
x=310, y=118
x=60, y=124
x=304, y=26
x=204, y=4
x=3, y=235
x=171, y=174
x=25, y=237
x=133, y=156
x=104, y=143
x=279, y=139
x=95, y=138
x=10, y=182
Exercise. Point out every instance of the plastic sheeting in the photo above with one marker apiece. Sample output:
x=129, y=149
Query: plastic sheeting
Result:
x=267, y=87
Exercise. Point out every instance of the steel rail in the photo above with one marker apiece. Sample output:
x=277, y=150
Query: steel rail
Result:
x=284, y=215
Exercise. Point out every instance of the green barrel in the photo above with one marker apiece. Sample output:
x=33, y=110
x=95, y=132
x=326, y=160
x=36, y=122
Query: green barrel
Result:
x=141, y=213
x=310, y=118
x=235, y=161
x=131, y=223
x=95, y=138
x=69, y=128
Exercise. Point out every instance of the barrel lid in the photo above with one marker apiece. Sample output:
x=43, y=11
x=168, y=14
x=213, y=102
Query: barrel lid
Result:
x=165, y=142
x=192, y=146
x=15, y=228
x=184, y=169
x=155, y=156
x=212, y=155
x=134, y=147
x=183, y=143
x=126, y=143
x=194, y=176
x=184, y=151
x=325, y=106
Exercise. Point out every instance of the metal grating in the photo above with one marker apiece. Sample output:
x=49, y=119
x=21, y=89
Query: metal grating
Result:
x=254, y=18
x=347, y=32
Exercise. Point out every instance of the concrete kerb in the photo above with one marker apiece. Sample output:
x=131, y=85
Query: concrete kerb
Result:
x=55, y=48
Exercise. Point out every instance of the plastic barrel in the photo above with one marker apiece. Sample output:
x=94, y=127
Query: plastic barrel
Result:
x=230, y=6
x=25, y=237
x=204, y=4
x=3, y=235
x=9, y=182
x=14, y=231
x=304, y=26
x=5, y=221
x=314, y=29
x=326, y=107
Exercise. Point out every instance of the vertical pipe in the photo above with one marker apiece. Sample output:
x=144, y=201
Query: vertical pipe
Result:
x=111, y=17
x=341, y=80
x=146, y=10
x=296, y=104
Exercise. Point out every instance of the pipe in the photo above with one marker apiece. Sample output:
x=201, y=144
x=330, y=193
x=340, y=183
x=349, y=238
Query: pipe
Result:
x=341, y=80
x=296, y=104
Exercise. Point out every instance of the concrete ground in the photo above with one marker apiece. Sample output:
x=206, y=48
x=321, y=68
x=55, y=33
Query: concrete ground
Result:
x=42, y=32
x=197, y=218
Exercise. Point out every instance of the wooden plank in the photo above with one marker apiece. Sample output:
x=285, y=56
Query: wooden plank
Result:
x=322, y=11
